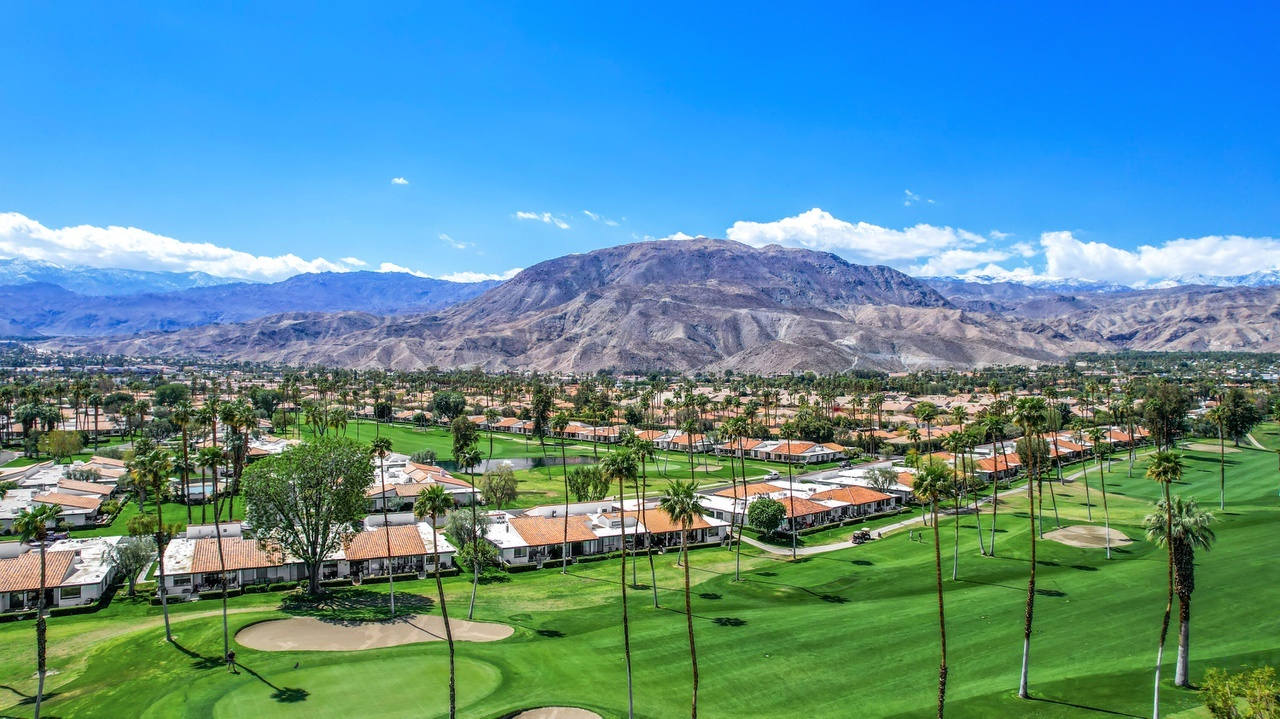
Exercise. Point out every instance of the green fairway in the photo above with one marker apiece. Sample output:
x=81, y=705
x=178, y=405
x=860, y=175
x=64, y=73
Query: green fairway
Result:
x=545, y=485
x=848, y=633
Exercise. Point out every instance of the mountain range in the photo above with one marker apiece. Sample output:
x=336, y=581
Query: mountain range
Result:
x=96, y=281
x=44, y=309
x=696, y=304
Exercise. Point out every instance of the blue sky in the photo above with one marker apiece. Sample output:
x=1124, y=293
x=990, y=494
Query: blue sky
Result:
x=1059, y=140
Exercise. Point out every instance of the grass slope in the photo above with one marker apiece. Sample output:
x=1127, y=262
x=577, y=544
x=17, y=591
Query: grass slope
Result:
x=849, y=633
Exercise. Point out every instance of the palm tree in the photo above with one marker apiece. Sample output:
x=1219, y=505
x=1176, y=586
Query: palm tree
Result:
x=621, y=465
x=153, y=471
x=1191, y=530
x=1165, y=468
x=183, y=414
x=683, y=505
x=789, y=432
x=993, y=426
x=211, y=458
x=559, y=423
x=930, y=486
x=434, y=502
x=32, y=525
x=381, y=447
x=645, y=451
x=1030, y=414
x=1219, y=415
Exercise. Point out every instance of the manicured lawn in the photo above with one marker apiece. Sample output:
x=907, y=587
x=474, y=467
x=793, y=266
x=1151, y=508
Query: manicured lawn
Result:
x=545, y=485
x=21, y=461
x=850, y=633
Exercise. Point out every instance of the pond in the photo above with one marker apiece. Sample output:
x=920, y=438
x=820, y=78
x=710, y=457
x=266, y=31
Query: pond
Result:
x=518, y=463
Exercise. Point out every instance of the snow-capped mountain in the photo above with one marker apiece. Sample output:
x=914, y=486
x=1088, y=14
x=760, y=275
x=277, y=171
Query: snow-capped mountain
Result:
x=1040, y=282
x=1261, y=278
x=102, y=282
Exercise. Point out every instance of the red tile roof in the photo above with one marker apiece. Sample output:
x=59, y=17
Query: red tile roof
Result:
x=238, y=552
x=22, y=573
x=405, y=542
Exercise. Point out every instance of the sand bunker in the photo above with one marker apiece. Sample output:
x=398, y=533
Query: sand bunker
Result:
x=556, y=713
x=309, y=634
x=1205, y=447
x=1087, y=536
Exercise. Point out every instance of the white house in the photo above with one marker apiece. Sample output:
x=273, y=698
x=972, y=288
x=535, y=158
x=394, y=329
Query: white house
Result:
x=77, y=571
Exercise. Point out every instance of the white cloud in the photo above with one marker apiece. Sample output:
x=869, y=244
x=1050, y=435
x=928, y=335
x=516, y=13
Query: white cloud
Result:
x=453, y=276
x=353, y=261
x=135, y=249
x=911, y=197
x=546, y=217
x=818, y=229
x=951, y=262
x=393, y=267
x=1065, y=256
x=599, y=218
x=455, y=244
x=399, y=181
x=480, y=276
x=998, y=235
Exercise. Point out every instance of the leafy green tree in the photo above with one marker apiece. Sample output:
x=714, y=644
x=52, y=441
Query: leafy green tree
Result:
x=132, y=555
x=168, y=395
x=60, y=444
x=498, y=485
x=448, y=405
x=766, y=514
x=423, y=456
x=587, y=483
x=306, y=499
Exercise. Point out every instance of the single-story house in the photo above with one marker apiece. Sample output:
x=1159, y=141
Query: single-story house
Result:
x=77, y=571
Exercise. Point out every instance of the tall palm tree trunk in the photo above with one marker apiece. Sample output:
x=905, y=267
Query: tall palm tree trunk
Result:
x=222, y=562
x=648, y=540
x=995, y=494
x=444, y=614
x=742, y=518
x=1182, y=675
x=1168, y=607
x=42, y=632
x=564, y=467
x=386, y=530
x=475, y=562
x=1106, y=513
x=1084, y=475
x=1222, y=470
x=186, y=475
x=1024, y=690
x=688, y=613
x=626, y=626
x=160, y=546
x=942, y=619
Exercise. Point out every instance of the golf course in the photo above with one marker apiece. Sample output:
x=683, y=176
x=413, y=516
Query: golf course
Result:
x=850, y=632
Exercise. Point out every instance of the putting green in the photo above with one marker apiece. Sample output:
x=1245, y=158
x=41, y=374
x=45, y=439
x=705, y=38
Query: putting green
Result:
x=401, y=687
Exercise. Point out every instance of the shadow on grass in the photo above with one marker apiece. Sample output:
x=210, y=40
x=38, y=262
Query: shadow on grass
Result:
x=550, y=633
x=199, y=661
x=1099, y=710
x=350, y=606
x=709, y=595
x=284, y=695
x=729, y=622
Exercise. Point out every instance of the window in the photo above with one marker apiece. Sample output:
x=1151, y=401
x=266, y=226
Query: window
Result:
x=521, y=552
x=71, y=592
x=182, y=581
